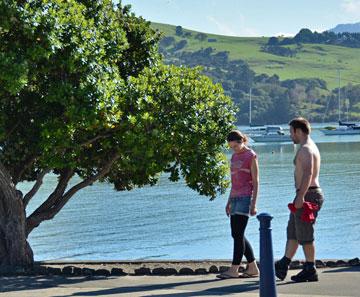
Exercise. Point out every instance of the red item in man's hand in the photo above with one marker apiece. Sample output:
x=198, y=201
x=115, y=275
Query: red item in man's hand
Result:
x=308, y=211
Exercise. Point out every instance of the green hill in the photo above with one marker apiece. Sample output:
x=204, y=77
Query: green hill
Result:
x=311, y=61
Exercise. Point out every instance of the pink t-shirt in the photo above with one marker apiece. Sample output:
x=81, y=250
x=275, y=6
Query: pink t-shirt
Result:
x=241, y=180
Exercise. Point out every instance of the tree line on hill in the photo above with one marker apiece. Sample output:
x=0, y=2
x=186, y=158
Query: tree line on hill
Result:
x=273, y=101
x=327, y=37
x=278, y=45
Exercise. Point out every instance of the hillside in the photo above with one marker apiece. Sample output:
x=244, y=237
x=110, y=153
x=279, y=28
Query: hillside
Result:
x=312, y=61
x=287, y=77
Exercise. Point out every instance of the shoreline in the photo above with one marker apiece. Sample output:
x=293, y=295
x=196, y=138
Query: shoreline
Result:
x=158, y=267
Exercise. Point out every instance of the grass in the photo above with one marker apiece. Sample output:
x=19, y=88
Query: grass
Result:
x=313, y=61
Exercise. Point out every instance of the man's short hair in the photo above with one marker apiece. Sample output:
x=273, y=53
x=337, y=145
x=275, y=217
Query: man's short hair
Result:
x=302, y=124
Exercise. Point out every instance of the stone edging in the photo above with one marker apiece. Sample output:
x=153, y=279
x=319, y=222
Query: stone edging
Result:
x=158, y=268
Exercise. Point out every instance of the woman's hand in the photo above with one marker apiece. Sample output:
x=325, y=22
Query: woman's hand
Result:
x=227, y=208
x=253, y=210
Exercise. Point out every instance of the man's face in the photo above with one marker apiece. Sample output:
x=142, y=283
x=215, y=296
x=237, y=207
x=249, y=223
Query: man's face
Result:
x=294, y=135
x=235, y=146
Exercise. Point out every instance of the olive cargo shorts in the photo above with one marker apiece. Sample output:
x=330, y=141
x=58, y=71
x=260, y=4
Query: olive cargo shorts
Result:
x=299, y=230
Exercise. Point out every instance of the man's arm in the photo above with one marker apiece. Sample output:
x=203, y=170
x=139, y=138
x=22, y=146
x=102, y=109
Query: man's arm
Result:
x=306, y=162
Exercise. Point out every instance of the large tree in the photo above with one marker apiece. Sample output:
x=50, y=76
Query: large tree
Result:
x=83, y=92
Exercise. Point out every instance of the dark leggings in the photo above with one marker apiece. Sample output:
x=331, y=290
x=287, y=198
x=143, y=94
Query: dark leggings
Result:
x=241, y=244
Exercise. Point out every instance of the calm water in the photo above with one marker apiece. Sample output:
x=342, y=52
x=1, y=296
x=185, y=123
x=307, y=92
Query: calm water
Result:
x=170, y=221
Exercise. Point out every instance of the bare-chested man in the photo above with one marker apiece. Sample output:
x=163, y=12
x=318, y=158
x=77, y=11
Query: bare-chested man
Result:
x=308, y=196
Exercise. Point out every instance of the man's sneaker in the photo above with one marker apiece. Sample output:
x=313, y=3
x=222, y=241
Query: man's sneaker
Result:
x=306, y=275
x=281, y=269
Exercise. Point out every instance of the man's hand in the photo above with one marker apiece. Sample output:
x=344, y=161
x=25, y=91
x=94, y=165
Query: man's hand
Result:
x=298, y=202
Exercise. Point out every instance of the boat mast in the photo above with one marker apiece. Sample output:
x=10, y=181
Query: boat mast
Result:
x=339, y=94
x=250, y=107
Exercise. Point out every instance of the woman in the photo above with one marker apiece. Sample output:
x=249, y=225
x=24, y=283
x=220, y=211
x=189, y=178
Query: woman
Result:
x=242, y=203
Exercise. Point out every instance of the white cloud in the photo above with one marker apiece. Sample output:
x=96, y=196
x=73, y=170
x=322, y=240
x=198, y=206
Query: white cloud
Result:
x=351, y=7
x=231, y=30
x=223, y=28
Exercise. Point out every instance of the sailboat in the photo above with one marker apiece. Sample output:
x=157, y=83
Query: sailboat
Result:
x=265, y=133
x=253, y=129
x=272, y=134
x=344, y=128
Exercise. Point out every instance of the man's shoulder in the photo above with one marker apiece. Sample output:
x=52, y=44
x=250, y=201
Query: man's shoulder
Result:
x=308, y=150
x=305, y=150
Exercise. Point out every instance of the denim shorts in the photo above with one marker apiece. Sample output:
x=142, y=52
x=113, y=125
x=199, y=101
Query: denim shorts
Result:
x=240, y=205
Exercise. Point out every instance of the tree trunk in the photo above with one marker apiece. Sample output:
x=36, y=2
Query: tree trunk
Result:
x=15, y=252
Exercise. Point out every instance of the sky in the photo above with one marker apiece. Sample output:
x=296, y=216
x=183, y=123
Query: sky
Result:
x=250, y=17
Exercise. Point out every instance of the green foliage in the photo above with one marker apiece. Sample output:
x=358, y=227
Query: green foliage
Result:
x=201, y=36
x=349, y=103
x=179, y=31
x=279, y=50
x=81, y=81
x=180, y=45
x=167, y=41
x=273, y=41
x=182, y=123
x=327, y=37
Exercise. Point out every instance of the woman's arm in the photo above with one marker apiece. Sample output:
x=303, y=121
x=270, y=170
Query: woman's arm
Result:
x=255, y=182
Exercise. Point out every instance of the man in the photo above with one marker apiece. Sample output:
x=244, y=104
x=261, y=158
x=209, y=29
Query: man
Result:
x=307, y=202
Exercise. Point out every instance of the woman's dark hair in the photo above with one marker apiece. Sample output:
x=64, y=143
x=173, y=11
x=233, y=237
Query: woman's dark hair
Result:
x=302, y=124
x=238, y=136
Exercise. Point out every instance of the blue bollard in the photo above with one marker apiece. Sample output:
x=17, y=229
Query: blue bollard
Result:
x=267, y=269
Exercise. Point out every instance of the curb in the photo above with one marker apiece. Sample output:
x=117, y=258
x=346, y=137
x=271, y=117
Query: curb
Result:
x=154, y=268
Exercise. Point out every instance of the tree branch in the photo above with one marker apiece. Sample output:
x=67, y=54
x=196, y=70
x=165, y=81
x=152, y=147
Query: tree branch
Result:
x=65, y=177
x=35, y=188
x=34, y=219
x=27, y=164
x=12, y=130
x=88, y=181
x=52, y=206
x=100, y=136
x=90, y=141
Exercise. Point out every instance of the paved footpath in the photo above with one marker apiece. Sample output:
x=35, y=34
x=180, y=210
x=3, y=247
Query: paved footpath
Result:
x=342, y=281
